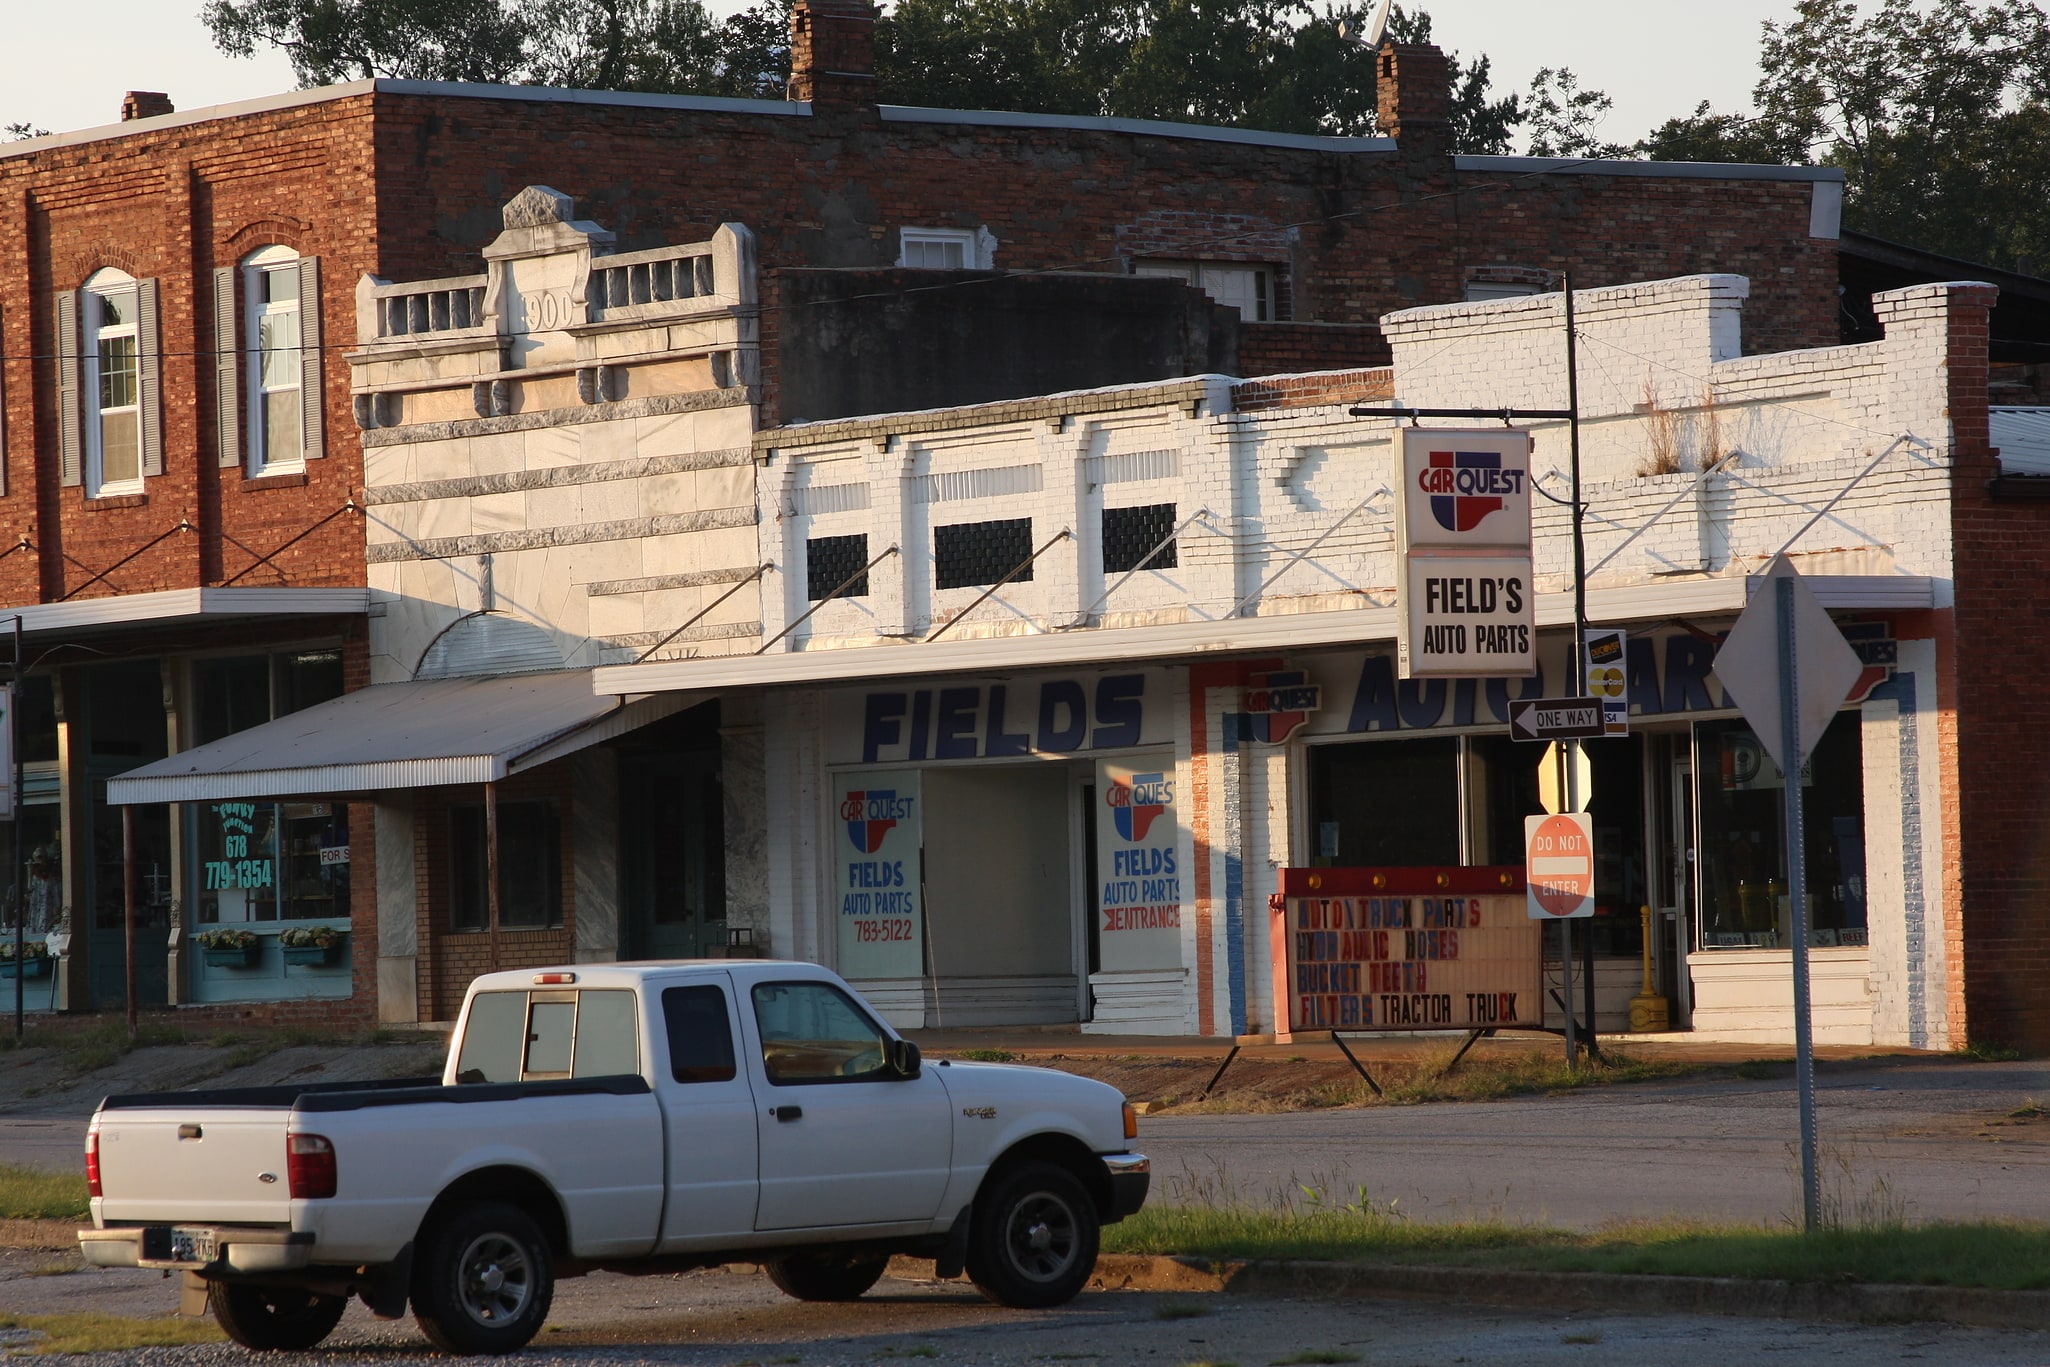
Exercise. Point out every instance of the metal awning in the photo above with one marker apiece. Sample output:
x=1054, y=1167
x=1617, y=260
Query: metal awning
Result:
x=1708, y=596
x=181, y=608
x=422, y=734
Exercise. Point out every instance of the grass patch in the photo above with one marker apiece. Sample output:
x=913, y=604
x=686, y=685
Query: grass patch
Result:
x=1764, y=1069
x=31, y=1194
x=2006, y=1255
x=104, y=1044
x=110, y=1333
x=1985, y=1051
x=987, y=1056
x=1430, y=1077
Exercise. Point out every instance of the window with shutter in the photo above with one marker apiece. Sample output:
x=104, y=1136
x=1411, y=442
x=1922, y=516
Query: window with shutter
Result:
x=275, y=360
x=110, y=383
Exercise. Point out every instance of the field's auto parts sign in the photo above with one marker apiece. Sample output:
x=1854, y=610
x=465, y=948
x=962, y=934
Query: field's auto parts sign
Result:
x=1464, y=534
x=1406, y=949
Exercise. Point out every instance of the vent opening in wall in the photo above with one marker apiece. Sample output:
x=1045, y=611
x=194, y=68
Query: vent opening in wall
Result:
x=971, y=554
x=828, y=560
x=1129, y=533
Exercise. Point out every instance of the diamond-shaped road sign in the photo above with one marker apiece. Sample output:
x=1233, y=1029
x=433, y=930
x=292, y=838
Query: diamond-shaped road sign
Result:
x=1749, y=667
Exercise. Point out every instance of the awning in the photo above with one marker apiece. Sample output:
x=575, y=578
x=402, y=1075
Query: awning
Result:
x=182, y=608
x=1709, y=596
x=422, y=734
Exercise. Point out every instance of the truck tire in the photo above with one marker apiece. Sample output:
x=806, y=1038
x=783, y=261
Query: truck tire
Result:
x=483, y=1280
x=824, y=1277
x=1032, y=1243
x=273, y=1318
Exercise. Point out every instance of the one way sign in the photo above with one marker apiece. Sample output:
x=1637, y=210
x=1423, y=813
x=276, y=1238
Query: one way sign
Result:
x=1556, y=719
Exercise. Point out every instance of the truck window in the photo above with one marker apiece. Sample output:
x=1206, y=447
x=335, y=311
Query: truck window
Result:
x=700, y=1034
x=812, y=1032
x=522, y=1036
x=491, y=1038
x=607, y=1030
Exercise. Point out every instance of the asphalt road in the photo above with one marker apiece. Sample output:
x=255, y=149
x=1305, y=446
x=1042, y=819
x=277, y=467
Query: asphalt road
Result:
x=1931, y=1139
x=722, y=1320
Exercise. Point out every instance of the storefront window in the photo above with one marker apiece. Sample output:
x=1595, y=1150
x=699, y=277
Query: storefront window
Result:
x=273, y=861
x=529, y=867
x=1387, y=802
x=1744, y=897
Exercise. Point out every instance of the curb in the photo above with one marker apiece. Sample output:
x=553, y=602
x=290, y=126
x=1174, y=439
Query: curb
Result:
x=1852, y=1302
x=54, y=1236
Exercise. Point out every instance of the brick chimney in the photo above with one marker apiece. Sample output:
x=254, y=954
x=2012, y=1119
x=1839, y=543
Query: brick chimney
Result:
x=833, y=52
x=144, y=104
x=1413, y=98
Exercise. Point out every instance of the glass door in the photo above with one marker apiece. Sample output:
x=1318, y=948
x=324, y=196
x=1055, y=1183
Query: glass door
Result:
x=673, y=854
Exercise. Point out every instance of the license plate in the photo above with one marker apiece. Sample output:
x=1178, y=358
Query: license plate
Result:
x=192, y=1246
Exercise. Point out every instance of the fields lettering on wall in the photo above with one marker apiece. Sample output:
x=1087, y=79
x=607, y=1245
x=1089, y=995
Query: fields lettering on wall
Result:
x=1012, y=717
x=1139, y=881
x=877, y=833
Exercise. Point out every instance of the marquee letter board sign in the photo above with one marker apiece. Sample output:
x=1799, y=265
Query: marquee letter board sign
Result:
x=1406, y=949
x=1463, y=535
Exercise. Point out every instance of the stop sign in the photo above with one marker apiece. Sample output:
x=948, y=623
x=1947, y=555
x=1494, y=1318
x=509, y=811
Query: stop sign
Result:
x=1558, y=860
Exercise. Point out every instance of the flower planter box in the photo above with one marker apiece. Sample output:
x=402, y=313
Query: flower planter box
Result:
x=26, y=968
x=234, y=958
x=311, y=954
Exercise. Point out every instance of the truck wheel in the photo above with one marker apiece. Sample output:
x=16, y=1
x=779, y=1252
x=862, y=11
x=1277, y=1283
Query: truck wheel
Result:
x=1033, y=1240
x=273, y=1318
x=483, y=1281
x=823, y=1277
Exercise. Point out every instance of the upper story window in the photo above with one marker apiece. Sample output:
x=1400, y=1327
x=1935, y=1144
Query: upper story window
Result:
x=114, y=384
x=109, y=428
x=268, y=362
x=1247, y=287
x=276, y=406
x=946, y=249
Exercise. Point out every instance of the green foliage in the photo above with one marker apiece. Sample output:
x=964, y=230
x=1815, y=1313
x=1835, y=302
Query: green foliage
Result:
x=342, y=40
x=32, y=1194
x=987, y=1055
x=1564, y=119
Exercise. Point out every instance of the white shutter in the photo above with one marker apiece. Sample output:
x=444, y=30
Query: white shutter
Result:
x=70, y=437
x=227, y=386
x=149, y=377
x=310, y=358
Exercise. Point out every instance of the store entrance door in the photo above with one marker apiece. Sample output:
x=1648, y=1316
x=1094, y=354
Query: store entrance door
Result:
x=1676, y=885
x=673, y=848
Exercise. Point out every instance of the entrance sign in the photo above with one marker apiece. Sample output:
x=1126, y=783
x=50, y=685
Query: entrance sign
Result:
x=1608, y=677
x=1138, y=878
x=1559, y=862
x=878, y=831
x=1565, y=719
x=1405, y=949
x=1463, y=534
x=1748, y=666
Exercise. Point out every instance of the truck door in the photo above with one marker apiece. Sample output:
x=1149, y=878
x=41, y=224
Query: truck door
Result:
x=844, y=1140
x=709, y=1108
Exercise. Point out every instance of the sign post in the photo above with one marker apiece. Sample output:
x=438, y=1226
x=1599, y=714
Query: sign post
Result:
x=1789, y=670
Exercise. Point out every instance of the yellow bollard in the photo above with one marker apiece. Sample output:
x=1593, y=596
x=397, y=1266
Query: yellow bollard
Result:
x=1649, y=1013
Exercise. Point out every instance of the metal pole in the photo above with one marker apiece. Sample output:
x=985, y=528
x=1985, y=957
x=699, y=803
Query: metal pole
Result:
x=20, y=854
x=1797, y=896
x=128, y=910
x=1579, y=666
x=491, y=865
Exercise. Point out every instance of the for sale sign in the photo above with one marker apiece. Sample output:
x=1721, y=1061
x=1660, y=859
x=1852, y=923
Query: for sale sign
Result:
x=1405, y=949
x=878, y=894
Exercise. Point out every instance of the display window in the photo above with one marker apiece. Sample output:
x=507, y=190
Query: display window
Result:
x=273, y=861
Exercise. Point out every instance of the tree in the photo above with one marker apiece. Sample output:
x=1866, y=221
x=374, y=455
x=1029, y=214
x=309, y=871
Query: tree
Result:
x=1563, y=117
x=341, y=40
x=19, y=132
x=1936, y=114
x=1706, y=135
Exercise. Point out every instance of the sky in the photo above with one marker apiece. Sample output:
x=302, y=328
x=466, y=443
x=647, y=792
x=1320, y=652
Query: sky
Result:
x=1656, y=58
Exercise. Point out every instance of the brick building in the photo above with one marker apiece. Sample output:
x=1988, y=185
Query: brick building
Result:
x=186, y=445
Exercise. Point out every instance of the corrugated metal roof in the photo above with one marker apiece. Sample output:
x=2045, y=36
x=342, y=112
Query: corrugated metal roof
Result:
x=421, y=734
x=2023, y=436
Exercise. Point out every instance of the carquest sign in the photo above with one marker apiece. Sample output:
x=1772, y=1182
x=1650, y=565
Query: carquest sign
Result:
x=1468, y=610
x=877, y=832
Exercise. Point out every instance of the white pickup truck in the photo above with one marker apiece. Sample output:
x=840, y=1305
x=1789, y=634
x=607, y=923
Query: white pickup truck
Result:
x=629, y=1117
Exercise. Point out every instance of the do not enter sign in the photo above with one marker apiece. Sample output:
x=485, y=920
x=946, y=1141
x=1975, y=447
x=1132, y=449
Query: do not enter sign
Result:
x=1558, y=857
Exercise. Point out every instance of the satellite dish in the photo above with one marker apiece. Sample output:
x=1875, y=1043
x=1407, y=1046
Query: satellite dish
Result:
x=1370, y=36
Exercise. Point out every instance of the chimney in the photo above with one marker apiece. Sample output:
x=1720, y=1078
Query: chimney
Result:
x=833, y=52
x=1413, y=98
x=144, y=104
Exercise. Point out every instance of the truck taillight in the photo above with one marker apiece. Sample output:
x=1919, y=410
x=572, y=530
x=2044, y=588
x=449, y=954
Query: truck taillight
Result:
x=309, y=1166
x=92, y=1163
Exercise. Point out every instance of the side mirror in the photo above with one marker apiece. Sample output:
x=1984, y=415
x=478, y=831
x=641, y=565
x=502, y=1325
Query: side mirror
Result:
x=904, y=1058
